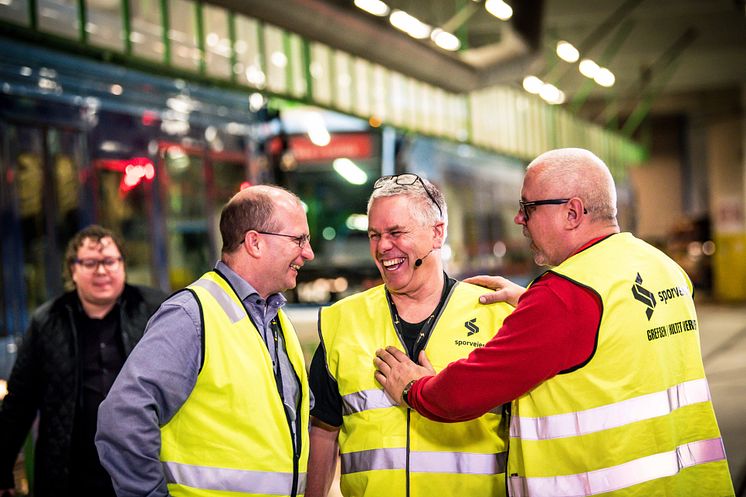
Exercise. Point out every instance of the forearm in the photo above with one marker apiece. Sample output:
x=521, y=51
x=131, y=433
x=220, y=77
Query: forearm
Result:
x=156, y=380
x=322, y=461
x=552, y=329
x=467, y=389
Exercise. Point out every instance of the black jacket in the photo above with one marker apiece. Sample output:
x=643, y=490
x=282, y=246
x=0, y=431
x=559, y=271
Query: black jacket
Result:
x=45, y=379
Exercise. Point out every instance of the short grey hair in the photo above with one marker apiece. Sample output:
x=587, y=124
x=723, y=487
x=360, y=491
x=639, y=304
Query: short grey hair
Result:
x=422, y=209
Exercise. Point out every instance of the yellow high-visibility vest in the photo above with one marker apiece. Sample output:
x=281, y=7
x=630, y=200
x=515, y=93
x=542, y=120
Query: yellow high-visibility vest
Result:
x=636, y=419
x=390, y=450
x=232, y=433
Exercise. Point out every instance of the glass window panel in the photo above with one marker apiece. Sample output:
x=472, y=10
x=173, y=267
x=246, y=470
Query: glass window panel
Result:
x=15, y=11
x=182, y=34
x=186, y=221
x=426, y=109
x=361, y=69
x=146, y=28
x=217, y=41
x=65, y=150
x=104, y=23
x=277, y=60
x=27, y=160
x=320, y=73
x=59, y=17
x=342, y=87
x=438, y=110
x=380, y=95
x=228, y=177
x=297, y=67
x=411, y=101
x=125, y=208
x=397, y=99
x=248, y=58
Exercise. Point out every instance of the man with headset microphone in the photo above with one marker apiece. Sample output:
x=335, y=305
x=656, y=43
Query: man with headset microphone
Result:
x=388, y=449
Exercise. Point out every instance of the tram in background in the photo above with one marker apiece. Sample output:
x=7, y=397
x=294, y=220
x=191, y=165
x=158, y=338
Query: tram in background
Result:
x=335, y=177
x=156, y=158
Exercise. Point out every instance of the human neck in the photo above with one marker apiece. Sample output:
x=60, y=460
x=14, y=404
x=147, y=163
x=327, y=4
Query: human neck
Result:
x=417, y=305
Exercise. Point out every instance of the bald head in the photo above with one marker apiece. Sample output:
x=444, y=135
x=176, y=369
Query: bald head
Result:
x=252, y=208
x=576, y=172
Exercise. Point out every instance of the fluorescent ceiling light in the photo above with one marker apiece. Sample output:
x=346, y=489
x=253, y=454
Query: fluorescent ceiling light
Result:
x=375, y=7
x=532, y=84
x=357, y=222
x=604, y=77
x=499, y=9
x=588, y=68
x=409, y=24
x=445, y=40
x=551, y=94
x=350, y=171
x=567, y=52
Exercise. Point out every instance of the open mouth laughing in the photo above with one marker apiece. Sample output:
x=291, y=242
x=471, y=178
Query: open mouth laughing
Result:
x=392, y=264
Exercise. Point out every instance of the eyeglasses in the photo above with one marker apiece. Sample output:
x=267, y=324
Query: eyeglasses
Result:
x=91, y=265
x=406, y=180
x=552, y=201
x=301, y=240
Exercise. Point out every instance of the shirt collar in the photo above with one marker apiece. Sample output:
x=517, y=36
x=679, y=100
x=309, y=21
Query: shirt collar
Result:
x=244, y=289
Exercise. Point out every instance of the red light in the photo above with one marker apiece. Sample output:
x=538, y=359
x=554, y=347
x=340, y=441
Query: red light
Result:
x=148, y=118
x=245, y=185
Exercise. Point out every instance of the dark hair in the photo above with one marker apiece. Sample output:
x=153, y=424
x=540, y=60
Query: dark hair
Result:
x=251, y=212
x=95, y=233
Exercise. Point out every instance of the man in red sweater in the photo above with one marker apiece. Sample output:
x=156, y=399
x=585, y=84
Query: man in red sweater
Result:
x=601, y=352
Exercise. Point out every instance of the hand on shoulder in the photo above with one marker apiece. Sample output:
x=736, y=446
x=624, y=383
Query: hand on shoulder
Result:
x=504, y=289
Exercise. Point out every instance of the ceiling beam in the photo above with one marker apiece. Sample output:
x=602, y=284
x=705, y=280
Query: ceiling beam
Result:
x=663, y=68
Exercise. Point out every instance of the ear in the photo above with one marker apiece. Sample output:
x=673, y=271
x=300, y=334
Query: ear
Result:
x=576, y=212
x=439, y=234
x=252, y=243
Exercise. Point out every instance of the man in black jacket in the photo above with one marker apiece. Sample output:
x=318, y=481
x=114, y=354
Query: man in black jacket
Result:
x=74, y=348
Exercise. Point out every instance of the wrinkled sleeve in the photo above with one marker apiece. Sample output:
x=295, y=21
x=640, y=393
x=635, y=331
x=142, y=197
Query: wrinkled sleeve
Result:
x=553, y=328
x=155, y=381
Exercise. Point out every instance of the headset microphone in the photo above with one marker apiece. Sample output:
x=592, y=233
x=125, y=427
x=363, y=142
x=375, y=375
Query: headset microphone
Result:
x=418, y=262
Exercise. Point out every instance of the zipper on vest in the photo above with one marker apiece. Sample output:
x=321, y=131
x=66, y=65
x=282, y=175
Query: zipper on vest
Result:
x=507, y=412
x=406, y=470
x=295, y=443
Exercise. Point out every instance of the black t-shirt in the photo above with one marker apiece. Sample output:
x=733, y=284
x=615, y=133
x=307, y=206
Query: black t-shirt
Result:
x=328, y=401
x=101, y=357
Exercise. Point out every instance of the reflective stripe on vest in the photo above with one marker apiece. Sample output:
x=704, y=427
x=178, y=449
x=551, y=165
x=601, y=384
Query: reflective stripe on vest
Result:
x=424, y=462
x=231, y=309
x=364, y=400
x=621, y=476
x=232, y=480
x=611, y=416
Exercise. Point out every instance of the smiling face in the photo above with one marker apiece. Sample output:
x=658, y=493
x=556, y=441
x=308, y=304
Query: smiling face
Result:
x=397, y=240
x=99, y=286
x=283, y=257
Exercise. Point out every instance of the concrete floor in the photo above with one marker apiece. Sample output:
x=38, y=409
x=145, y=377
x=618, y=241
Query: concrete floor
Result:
x=723, y=337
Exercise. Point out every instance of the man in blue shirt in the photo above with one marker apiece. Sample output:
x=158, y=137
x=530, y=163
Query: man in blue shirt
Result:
x=265, y=243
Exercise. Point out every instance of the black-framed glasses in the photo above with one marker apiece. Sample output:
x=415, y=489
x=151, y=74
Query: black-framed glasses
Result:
x=91, y=265
x=407, y=179
x=301, y=240
x=552, y=201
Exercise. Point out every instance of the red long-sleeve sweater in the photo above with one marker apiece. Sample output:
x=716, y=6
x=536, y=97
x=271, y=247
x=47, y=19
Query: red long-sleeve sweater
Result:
x=553, y=329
